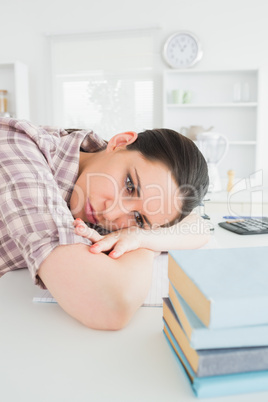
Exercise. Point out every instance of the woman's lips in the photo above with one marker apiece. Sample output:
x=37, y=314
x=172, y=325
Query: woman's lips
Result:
x=90, y=214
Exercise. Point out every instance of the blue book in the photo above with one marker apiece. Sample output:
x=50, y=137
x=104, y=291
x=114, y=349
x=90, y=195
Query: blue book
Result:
x=223, y=385
x=224, y=287
x=201, y=337
x=211, y=362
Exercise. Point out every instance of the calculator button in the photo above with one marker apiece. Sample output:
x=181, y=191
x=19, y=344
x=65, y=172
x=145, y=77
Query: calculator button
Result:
x=239, y=226
x=253, y=228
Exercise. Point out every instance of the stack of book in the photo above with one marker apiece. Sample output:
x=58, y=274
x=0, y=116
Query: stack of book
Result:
x=216, y=318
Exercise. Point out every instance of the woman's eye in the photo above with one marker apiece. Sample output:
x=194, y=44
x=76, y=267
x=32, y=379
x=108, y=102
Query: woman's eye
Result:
x=139, y=220
x=129, y=185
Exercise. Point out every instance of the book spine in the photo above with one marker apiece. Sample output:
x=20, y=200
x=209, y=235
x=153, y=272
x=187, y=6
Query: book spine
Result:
x=229, y=338
x=224, y=385
x=235, y=384
x=201, y=337
x=232, y=361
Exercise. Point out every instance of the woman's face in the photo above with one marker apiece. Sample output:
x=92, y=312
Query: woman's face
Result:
x=118, y=188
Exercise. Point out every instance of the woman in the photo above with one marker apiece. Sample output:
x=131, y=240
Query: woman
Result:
x=179, y=182
x=139, y=187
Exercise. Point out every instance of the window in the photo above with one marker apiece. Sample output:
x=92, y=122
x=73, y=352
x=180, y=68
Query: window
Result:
x=104, y=81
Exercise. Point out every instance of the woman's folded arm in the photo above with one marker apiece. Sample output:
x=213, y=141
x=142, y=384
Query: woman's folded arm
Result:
x=98, y=291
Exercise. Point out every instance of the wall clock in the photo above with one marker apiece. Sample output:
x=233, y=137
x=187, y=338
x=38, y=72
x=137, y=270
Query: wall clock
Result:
x=182, y=50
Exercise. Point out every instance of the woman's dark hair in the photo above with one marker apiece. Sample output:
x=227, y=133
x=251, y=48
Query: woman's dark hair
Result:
x=183, y=158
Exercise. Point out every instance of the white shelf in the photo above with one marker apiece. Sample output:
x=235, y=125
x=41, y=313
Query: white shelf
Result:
x=242, y=142
x=212, y=93
x=196, y=71
x=213, y=105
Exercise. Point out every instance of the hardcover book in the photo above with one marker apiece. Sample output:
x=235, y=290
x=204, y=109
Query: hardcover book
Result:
x=223, y=385
x=224, y=287
x=201, y=337
x=214, y=362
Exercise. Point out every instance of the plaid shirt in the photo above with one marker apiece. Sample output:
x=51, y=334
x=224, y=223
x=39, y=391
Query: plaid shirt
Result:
x=38, y=170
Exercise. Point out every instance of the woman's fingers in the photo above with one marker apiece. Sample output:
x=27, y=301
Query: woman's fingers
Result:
x=83, y=230
x=119, y=249
x=105, y=244
x=117, y=243
x=88, y=233
x=124, y=245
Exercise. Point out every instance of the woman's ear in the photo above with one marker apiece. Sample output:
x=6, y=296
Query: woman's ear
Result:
x=120, y=141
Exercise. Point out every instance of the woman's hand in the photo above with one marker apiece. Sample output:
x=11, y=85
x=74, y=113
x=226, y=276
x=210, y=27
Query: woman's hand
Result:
x=83, y=230
x=192, y=232
x=118, y=242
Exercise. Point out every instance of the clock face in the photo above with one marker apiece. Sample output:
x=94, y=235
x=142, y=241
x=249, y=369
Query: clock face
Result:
x=182, y=50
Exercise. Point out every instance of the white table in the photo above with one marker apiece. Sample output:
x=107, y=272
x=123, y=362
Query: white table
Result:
x=226, y=239
x=46, y=356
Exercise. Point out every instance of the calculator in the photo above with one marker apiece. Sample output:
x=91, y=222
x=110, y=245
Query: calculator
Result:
x=246, y=226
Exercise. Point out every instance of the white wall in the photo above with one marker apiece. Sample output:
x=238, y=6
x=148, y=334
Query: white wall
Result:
x=234, y=33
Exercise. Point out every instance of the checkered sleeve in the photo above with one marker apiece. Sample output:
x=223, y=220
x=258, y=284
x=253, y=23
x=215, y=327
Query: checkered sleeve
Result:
x=32, y=208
